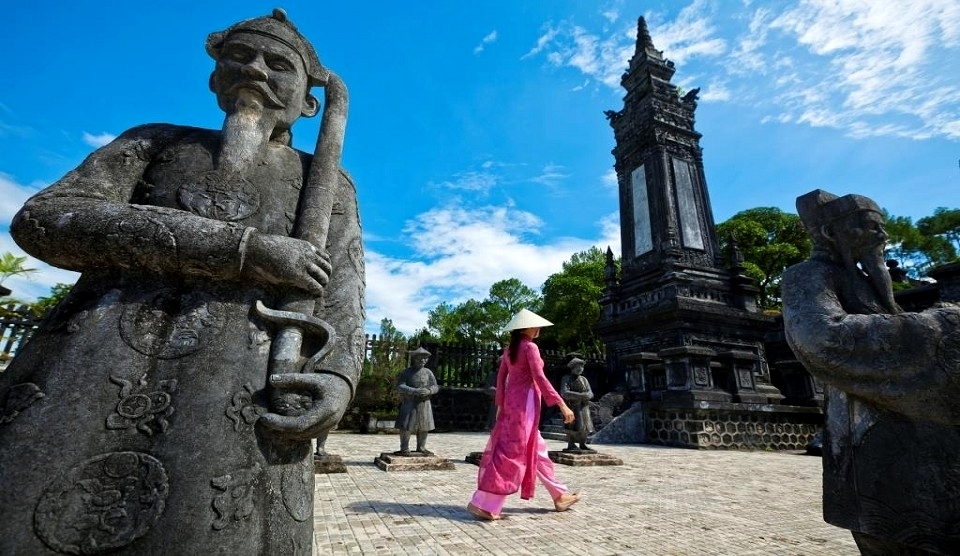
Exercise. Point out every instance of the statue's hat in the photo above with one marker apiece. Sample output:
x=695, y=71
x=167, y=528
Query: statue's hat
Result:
x=277, y=27
x=419, y=351
x=526, y=319
x=819, y=207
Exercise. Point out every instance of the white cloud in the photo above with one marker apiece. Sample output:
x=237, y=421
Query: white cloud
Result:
x=609, y=180
x=97, y=141
x=690, y=35
x=551, y=175
x=716, y=92
x=458, y=254
x=864, y=68
x=868, y=68
x=542, y=42
x=480, y=182
x=12, y=197
x=490, y=38
x=604, y=58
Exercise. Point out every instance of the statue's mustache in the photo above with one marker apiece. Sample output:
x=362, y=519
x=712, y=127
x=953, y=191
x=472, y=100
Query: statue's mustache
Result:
x=269, y=99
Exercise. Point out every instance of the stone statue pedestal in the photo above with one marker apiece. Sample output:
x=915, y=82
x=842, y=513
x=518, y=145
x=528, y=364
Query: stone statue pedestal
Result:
x=328, y=463
x=474, y=458
x=415, y=461
x=582, y=458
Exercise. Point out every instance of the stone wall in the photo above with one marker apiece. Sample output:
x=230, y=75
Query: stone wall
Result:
x=731, y=427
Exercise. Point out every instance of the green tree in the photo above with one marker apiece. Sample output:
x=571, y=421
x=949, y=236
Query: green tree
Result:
x=481, y=321
x=44, y=304
x=944, y=224
x=376, y=391
x=571, y=300
x=770, y=241
x=12, y=265
x=916, y=251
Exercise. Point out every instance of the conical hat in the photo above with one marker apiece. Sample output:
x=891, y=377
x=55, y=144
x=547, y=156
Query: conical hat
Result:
x=526, y=319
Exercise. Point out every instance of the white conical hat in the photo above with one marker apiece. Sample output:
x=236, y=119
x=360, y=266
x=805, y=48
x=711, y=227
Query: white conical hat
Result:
x=526, y=319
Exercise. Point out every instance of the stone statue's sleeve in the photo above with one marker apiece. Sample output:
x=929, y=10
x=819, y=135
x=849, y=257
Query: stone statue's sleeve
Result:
x=343, y=299
x=908, y=363
x=434, y=387
x=402, y=386
x=86, y=219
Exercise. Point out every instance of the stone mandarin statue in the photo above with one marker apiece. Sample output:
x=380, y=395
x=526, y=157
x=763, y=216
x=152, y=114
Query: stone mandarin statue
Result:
x=892, y=436
x=576, y=391
x=416, y=385
x=168, y=404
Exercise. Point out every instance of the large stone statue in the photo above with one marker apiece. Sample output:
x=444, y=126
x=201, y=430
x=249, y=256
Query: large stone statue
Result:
x=416, y=384
x=891, y=443
x=167, y=405
x=575, y=390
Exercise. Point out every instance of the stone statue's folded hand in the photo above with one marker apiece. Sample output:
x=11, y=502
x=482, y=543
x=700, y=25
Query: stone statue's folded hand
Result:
x=286, y=261
x=305, y=405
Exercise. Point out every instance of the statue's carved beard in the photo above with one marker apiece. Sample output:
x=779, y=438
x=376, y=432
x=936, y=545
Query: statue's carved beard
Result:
x=246, y=132
x=872, y=263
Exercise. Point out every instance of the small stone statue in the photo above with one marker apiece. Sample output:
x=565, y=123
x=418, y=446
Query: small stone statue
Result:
x=416, y=385
x=168, y=404
x=891, y=440
x=575, y=391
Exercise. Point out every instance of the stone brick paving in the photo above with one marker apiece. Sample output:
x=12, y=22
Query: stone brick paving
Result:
x=662, y=501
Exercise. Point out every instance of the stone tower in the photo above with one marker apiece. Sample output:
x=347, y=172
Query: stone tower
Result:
x=681, y=322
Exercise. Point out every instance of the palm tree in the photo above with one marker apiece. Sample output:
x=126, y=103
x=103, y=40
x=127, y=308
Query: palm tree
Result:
x=12, y=265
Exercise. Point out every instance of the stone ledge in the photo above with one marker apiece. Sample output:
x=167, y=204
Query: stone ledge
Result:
x=328, y=463
x=389, y=461
x=583, y=459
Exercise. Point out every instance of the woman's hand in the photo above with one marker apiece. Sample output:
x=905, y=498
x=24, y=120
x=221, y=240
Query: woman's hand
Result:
x=568, y=416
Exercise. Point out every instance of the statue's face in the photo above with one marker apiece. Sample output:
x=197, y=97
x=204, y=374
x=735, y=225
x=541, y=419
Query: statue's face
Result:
x=864, y=232
x=577, y=369
x=419, y=361
x=266, y=66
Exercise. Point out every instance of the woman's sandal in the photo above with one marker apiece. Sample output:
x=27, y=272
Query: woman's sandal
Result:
x=563, y=502
x=482, y=514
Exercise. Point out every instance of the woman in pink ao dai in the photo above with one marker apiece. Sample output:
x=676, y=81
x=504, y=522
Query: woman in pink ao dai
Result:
x=516, y=454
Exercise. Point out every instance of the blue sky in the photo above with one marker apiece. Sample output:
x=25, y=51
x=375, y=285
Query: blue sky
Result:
x=476, y=132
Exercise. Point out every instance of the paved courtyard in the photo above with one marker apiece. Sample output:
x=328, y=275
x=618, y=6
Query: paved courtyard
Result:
x=662, y=501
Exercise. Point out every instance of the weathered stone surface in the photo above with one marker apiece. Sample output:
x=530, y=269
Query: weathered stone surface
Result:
x=166, y=406
x=892, y=436
x=583, y=458
x=388, y=461
x=416, y=385
x=328, y=463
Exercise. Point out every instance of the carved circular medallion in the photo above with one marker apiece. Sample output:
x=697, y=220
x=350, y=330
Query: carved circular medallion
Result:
x=102, y=504
x=169, y=325
x=135, y=406
x=216, y=196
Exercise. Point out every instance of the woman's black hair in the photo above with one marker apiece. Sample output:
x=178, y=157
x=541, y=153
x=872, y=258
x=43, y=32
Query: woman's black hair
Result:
x=515, y=336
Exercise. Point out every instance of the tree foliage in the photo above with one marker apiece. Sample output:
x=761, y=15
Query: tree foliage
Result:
x=376, y=389
x=42, y=305
x=571, y=300
x=944, y=224
x=770, y=240
x=915, y=249
x=12, y=265
x=481, y=321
